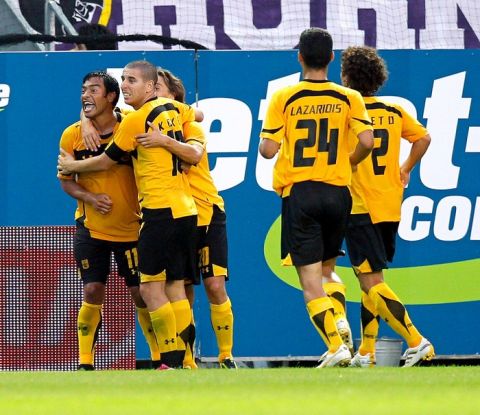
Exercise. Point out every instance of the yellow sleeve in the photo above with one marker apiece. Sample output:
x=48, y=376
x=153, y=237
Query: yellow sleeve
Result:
x=359, y=119
x=67, y=142
x=187, y=112
x=124, y=138
x=193, y=133
x=274, y=123
x=412, y=129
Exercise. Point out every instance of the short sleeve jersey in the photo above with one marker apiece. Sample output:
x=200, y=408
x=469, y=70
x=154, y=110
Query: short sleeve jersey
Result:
x=160, y=182
x=376, y=187
x=122, y=223
x=203, y=188
x=311, y=121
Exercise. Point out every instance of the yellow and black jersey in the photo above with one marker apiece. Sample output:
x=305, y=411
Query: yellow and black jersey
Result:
x=311, y=120
x=122, y=223
x=159, y=179
x=376, y=187
x=203, y=188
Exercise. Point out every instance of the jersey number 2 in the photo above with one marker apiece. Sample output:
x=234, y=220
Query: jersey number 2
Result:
x=377, y=152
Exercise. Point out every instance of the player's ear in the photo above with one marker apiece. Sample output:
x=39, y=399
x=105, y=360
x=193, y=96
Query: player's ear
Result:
x=150, y=86
x=300, y=57
x=332, y=56
x=111, y=96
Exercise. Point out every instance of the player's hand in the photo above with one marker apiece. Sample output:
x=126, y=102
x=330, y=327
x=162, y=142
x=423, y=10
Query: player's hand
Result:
x=154, y=138
x=185, y=167
x=91, y=140
x=90, y=136
x=65, y=163
x=404, y=177
x=102, y=203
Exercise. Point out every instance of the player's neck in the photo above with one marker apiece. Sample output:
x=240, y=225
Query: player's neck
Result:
x=315, y=74
x=105, y=122
x=149, y=97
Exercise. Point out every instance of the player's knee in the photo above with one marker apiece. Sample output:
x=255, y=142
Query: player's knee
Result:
x=367, y=281
x=94, y=293
x=215, y=288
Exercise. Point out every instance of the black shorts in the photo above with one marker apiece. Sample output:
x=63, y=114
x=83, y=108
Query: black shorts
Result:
x=93, y=258
x=314, y=220
x=212, y=247
x=370, y=245
x=166, y=246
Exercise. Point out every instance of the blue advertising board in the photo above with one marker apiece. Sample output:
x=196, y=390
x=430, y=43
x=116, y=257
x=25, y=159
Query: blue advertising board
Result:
x=437, y=264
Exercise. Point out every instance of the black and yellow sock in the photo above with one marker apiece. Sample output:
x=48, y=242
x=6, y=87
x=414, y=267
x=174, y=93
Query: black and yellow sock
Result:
x=370, y=325
x=320, y=311
x=391, y=309
x=163, y=324
x=336, y=293
x=221, y=316
x=189, y=359
x=89, y=322
x=143, y=317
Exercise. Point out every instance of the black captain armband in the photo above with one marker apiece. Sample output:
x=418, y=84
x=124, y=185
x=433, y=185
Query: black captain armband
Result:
x=116, y=153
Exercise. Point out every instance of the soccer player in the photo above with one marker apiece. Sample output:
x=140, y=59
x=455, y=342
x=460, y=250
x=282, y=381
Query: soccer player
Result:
x=165, y=246
x=211, y=226
x=377, y=191
x=107, y=217
x=308, y=125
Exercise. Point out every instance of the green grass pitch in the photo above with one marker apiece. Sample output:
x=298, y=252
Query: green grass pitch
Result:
x=388, y=391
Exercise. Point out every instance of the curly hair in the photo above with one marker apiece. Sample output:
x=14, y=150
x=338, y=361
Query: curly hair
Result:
x=363, y=70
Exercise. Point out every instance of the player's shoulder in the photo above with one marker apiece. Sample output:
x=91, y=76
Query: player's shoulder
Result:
x=382, y=103
x=73, y=129
x=194, y=127
x=349, y=92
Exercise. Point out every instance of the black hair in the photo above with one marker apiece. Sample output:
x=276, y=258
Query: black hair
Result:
x=97, y=31
x=110, y=83
x=316, y=46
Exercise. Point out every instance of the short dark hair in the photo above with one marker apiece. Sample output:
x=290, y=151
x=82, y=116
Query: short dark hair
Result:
x=316, y=46
x=149, y=71
x=110, y=83
x=174, y=84
x=363, y=69
x=97, y=31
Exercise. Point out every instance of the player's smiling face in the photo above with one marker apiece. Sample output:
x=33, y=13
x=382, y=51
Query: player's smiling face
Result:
x=94, y=98
x=134, y=88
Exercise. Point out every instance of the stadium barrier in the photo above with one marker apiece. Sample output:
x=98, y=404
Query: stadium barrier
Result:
x=436, y=267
